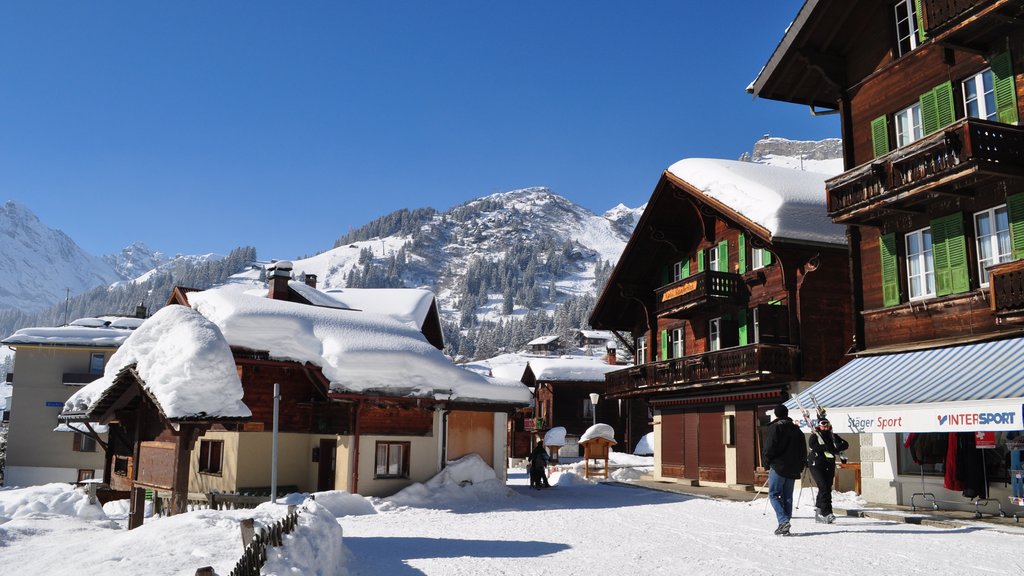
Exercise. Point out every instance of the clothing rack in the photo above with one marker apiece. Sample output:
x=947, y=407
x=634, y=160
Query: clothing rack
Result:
x=1017, y=481
x=977, y=500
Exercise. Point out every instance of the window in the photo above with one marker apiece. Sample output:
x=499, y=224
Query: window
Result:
x=980, y=96
x=84, y=475
x=678, y=350
x=96, y=363
x=908, y=125
x=211, y=453
x=392, y=460
x=756, y=325
x=84, y=443
x=906, y=26
x=715, y=334
x=992, y=228
x=920, y=265
x=680, y=270
x=588, y=408
x=713, y=259
x=641, y=350
x=757, y=258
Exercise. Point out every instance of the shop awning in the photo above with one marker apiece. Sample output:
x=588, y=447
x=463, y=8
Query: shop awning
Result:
x=972, y=387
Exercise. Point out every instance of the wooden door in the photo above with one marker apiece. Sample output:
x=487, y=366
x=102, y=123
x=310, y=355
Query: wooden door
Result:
x=470, y=432
x=746, y=445
x=671, y=445
x=325, y=473
x=711, y=448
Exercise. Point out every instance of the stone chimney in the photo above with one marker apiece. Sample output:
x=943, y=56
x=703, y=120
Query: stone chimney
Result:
x=278, y=275
x=311, y=280
x=609, y=356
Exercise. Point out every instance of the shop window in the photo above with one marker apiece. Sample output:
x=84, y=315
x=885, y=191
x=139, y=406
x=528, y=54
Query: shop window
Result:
x=928, y=453
x=211, y=456
x=392, y=460
x=920, y=266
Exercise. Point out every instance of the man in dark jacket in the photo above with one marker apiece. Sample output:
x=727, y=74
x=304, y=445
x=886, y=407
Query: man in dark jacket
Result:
x=825, y=448
x=784, y=453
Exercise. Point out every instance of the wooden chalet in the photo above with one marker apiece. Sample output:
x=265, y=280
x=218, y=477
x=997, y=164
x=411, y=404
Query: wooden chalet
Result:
x=929, y=95
x=372, y=440
x=730, y=308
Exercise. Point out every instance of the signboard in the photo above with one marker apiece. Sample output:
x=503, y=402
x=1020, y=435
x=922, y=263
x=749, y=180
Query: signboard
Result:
x=680, y=290
x=55, y=404
x=969, y=416
x=984, y=439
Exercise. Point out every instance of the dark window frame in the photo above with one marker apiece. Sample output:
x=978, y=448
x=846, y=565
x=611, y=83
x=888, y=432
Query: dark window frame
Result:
x=381, y=468
x=211, y=457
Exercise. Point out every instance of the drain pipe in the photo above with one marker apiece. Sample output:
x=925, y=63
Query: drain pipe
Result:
x=355, y=449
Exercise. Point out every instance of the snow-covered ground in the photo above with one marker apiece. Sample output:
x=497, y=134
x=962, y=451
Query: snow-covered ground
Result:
x=465, y=521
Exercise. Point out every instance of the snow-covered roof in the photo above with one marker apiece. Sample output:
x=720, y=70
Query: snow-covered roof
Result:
x=184, y=362
x=360, y=352
x=599, y=430
x=597, y=334
x=788, y=203
x=90, y=332
x=404, y=304
x=542, y=340
x=571, y=368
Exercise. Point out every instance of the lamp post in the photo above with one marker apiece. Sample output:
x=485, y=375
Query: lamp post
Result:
x=594, y=396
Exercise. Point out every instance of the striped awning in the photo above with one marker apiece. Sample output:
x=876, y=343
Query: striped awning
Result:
x=972, y=387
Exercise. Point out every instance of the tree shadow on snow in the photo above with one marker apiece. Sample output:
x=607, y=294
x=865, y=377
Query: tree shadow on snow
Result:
x=383, y=555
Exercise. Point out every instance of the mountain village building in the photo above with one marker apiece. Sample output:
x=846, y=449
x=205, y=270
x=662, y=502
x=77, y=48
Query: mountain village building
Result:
x=735, y=288
x=51, y=363
x=928, y=94
x=367, y=403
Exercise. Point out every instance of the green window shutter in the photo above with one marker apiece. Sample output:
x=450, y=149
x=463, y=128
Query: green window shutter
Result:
x=1005, y=88
x=700, y=261
x=742, y=253
x=880, y=136
x=945, y=111
x=723, y=256
x=919, y=15
x=1015, y=207
x=929, y=116
x=664, y=345
x=686, y=269
x=949, y=250
x=890, y=271
x=766, y=257
x=741, y=322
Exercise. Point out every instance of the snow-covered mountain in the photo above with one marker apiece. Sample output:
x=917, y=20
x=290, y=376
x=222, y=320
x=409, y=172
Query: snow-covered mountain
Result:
x=39, y=262
x=824, y=156
x=135, y=260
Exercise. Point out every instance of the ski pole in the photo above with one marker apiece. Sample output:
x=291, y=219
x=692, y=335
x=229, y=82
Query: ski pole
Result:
x=757, y=493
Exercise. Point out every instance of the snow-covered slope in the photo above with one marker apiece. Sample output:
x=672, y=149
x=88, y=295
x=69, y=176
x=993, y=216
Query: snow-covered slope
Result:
x=39, y=263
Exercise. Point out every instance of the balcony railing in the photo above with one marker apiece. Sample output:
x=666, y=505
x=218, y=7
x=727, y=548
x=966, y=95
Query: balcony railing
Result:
x=78, y=378
x=940, y=13
x=701, y=288
x=1006, y=288
x=755, y=360
x=937, y=162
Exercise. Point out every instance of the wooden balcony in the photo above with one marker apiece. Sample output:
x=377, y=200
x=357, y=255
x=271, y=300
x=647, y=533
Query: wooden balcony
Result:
x=964, y=155
x=704, y=288
x=1006, y=289
x=756, y=362
x=79, y=378
x=976, y=24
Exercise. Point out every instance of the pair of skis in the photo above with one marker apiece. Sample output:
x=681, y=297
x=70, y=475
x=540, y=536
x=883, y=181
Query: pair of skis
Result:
x=820, y=410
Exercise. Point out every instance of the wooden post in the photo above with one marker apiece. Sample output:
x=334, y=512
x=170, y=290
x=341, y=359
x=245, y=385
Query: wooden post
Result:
x=248, y=531
x=138, y=508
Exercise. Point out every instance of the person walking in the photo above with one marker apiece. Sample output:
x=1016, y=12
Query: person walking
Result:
x=784, y=454
x=826, y=446
x=538, y=465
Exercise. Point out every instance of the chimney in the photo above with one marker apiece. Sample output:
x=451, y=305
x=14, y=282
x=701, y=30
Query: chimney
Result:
x=141, y=311
x=278, y=275
x=609, y=357
x=311, y=280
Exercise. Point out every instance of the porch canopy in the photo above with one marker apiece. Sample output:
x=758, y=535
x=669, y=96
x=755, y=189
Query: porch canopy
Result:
x=965, y=388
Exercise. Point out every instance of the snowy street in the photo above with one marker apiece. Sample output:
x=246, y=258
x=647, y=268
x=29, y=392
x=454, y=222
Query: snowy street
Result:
x=582, y=528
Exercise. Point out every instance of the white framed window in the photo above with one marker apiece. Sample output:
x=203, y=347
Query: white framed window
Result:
x=392, y=460
x=713, y=259
x=906, y=26
x=641, y=350
x=755, y=322
x=211, y=456
x=677, y=271
x=756, y=258
x=678, y=350
x=908, y=125
x=980, y=96
x=715, y=334
x=920, y=266
x=992, y=228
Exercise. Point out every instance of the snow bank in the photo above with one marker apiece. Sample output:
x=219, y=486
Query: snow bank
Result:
x=645, y=447
x=313, y=548
x=56, y=499
x=341, y=503
x=555, y=436
x=468, y=479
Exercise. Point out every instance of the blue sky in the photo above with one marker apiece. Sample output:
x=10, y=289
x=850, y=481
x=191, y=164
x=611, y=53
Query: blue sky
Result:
x=199, y=126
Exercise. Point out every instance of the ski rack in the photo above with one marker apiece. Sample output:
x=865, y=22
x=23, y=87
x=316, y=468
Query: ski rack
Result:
x=977, y=501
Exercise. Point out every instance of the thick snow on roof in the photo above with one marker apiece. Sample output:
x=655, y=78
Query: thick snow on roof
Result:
x=788, y=203
x=78, y=334
x=599, y=431
x=542, y=340
x=185, y=364
x=572, y=368
x=597, y=334
x=503, y=366
x=357, y=351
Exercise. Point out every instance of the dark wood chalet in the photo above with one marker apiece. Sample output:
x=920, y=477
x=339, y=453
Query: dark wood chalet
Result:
x=929, y=93
x=728, y=310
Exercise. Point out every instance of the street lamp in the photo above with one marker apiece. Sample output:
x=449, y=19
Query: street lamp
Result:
x=594, y=396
